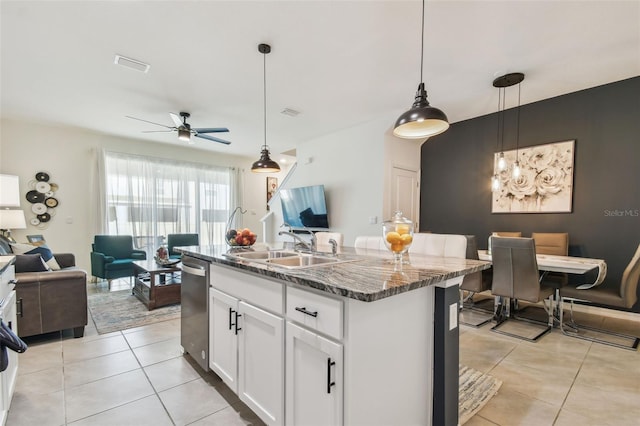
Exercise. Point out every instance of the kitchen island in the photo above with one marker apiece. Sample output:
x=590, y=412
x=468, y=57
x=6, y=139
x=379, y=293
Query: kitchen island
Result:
x=358, y=341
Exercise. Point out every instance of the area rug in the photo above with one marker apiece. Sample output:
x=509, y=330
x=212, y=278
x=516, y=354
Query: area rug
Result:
x=120, y=310
x=476, y=389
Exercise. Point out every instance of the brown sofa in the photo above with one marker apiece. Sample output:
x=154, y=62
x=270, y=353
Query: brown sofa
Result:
x=50, y=300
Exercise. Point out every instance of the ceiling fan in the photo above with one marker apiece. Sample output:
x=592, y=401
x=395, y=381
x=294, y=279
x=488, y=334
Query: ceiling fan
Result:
x=185, y=130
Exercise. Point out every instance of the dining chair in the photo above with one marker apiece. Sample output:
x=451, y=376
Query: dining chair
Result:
x=322, y=238
x=370, y=243
x=622, y=296
x=507, y=234
x=178, y=240
x=516, y=278
x=470, y=312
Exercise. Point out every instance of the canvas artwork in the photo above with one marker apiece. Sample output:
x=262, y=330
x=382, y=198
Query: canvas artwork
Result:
x=545, y=184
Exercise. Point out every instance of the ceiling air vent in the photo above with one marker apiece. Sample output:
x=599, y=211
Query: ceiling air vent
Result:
x=290, y=112
x=132, y=63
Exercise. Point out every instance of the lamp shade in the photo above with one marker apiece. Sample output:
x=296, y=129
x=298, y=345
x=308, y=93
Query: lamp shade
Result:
x=265, y=164
x=12, y=219
x=9, y=191
x=422, y=120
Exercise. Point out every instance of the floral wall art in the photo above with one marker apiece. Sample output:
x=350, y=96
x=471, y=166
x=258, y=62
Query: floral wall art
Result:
x=545, y=184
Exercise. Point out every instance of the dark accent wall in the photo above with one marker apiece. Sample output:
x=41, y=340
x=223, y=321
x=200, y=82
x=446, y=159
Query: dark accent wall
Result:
x=605, y=220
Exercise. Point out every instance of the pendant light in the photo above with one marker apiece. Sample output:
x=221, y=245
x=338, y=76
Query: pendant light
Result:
x=502, y=83
x=516, y=166
x=422, y=120
x=265, y=164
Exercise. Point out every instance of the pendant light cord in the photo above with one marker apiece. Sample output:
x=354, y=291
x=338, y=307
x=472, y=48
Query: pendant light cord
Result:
x=264, y=81
x=422, y=46
x=518, y=123
x=504, y=91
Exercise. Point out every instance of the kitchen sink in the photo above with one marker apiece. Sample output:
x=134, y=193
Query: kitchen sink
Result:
x=302, y=261
x=287, y=259
x=263, y=255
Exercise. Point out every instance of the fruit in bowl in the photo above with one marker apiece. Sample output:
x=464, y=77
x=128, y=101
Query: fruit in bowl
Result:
x=398, y=235
x=241, y=237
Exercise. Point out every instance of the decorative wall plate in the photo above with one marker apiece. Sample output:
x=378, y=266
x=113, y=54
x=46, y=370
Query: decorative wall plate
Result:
x=54, y=186
x=34, y=221
x=44, y=217
x=43, y=187
x=39, y=208
x=51, y=202
x=34, y=196
x=42, y=177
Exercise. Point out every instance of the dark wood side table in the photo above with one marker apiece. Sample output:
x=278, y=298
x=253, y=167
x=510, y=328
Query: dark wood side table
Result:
x=156, y=285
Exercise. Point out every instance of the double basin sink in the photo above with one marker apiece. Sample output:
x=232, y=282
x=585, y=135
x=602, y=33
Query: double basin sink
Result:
x=287, y=259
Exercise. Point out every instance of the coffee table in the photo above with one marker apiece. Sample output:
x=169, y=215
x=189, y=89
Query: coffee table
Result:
x=156, y=285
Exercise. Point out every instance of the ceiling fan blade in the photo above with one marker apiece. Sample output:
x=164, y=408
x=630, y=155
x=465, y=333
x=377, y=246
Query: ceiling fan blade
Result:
x=210, y=129
x=176, y=119
x=151, y=122
x=211, y=138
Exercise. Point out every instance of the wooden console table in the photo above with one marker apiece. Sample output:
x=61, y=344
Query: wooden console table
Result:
x=156, y=285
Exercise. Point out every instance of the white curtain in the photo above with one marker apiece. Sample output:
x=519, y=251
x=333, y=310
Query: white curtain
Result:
x=149, y=198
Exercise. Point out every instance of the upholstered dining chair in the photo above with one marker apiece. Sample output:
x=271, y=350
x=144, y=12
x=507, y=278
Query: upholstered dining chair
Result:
x=477, y=282
x=322, y=238
x=516, y=278
x=557, y=244
x=507, y=234
x=623, y=296
x=178, y=240
x=369, y=243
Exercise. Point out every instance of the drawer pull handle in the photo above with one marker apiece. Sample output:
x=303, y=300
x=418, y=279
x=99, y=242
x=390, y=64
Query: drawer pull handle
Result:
x=19, y=308
x=304, y=311
x=329, y=382
x=231, y=311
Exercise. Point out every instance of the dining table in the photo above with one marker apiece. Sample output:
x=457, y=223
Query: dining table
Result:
x=566, y=264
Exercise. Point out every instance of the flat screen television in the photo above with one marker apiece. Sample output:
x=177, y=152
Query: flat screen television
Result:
x=304, y=207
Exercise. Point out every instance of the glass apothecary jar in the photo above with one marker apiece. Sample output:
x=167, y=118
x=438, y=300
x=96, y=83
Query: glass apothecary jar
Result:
x=397, y=233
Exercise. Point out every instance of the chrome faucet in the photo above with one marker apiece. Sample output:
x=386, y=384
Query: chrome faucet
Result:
x=308, y=246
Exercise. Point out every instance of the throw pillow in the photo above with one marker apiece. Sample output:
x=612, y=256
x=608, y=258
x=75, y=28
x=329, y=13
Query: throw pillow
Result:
x=43, y=251
x=30, y=263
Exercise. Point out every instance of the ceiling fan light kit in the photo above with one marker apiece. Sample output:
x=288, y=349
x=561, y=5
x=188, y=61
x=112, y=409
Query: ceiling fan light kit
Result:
x=184, y=129
x=265, y=164
x=422, y=120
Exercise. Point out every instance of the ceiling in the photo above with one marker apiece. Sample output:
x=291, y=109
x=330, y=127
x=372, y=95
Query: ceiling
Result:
x=339, y=63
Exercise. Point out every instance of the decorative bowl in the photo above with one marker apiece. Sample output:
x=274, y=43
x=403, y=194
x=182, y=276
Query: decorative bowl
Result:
x=166, y=262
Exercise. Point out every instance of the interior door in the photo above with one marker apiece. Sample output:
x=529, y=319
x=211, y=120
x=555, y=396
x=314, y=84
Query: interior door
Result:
x=405, y=194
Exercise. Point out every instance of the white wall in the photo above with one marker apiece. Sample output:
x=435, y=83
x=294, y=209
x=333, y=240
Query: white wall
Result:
x=69, y=155
x=351, y=165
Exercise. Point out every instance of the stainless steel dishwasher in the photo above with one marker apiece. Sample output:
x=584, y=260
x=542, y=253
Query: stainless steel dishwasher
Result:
x=194, y=325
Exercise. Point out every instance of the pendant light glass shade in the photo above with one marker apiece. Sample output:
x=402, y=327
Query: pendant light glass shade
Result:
x=422, y=120
x=265, y=164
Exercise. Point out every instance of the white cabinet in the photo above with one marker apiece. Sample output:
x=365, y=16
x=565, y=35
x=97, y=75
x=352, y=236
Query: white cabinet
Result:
x=9, y=316
x=247, y=343
x=223, y=342
x=261, y=362
x=314, y=387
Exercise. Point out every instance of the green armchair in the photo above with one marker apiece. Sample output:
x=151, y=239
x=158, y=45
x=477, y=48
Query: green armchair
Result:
x=177, y=240
x=112, y=256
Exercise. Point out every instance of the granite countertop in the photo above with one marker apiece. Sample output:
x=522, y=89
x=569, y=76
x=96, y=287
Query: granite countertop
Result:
x=367, y=275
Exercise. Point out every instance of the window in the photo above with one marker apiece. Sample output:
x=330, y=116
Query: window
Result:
x=149, y=198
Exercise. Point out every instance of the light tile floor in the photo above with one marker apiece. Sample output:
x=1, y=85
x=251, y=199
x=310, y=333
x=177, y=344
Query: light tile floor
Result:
x=139, y=377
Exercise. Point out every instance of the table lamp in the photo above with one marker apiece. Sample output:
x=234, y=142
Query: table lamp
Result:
x=11, y=219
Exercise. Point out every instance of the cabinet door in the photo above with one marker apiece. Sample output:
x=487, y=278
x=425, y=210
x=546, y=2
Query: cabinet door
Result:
x=314, y=379
x=223, y=341
x=261, y=365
